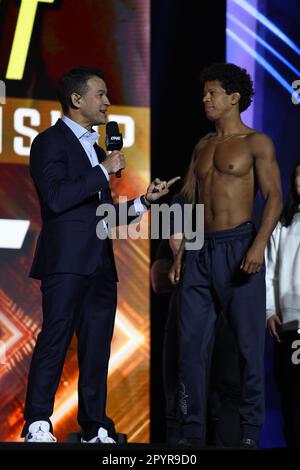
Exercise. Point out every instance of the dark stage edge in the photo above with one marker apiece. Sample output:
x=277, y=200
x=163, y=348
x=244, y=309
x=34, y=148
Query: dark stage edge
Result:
x=61, y=446
x=138, y=455
x=58, y=446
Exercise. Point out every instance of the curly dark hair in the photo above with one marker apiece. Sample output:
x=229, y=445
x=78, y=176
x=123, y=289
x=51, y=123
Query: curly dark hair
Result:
x=233, y=79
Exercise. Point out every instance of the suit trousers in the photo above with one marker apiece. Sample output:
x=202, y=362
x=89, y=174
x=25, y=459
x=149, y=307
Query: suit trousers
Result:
x=85, y=305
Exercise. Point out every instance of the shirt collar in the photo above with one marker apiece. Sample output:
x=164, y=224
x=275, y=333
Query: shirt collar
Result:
x=80, y=131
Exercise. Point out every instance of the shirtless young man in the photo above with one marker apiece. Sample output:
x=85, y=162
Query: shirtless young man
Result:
x=228, y=273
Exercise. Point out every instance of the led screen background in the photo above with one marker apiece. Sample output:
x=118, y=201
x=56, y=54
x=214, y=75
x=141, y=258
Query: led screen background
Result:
x=263, y=37
x=114, y=36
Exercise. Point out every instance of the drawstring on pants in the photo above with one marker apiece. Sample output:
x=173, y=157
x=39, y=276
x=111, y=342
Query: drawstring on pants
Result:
x=211, y=243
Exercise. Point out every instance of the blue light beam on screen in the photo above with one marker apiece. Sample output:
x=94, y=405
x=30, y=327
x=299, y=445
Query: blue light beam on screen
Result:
x=272, y=71
x=268, y=24
x=264, y=43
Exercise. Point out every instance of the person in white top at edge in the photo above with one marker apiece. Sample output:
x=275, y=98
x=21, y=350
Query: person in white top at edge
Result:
x=283, y=307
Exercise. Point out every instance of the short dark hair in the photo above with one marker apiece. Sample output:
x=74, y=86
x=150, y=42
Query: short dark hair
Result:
x=233, y=79
x=75, y=81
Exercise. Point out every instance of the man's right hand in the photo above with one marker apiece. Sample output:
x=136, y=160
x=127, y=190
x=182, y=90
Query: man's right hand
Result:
x=174, y=273
x=274, y=324
x=114, y=162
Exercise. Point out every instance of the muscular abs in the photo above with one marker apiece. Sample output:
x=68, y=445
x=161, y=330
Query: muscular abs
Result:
x=224, y=171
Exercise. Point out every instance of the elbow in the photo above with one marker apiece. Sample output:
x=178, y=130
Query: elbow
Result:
x=58, y=200
x=277, y=195
x=56, y=206
x=55, y=209
x=276, y=198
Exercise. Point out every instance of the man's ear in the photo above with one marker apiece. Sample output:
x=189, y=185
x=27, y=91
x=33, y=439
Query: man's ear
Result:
x=75, y=100
x=235, y=98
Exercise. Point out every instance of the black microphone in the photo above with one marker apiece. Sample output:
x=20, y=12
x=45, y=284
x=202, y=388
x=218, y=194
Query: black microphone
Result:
x=114, y=139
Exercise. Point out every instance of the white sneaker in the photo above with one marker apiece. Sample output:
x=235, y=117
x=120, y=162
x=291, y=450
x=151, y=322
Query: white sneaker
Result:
x=39, y=431
x=102, y=438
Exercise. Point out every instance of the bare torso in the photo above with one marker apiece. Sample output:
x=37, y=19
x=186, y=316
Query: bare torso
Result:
x=224, y=169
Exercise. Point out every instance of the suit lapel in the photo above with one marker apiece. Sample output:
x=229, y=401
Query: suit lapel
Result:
x=81, y=154
x=74, y=142
x=101, y=155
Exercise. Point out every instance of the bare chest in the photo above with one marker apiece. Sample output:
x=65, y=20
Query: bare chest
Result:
x=228, y=158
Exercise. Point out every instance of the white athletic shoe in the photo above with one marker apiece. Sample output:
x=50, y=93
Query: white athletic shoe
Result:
x=101, y=438
x=39, y=431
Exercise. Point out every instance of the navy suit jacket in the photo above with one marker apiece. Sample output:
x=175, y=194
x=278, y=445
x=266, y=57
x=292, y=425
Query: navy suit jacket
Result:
x=67, y=186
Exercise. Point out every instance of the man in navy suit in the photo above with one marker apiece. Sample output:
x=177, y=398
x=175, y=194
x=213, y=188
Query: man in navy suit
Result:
x=76, y=268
